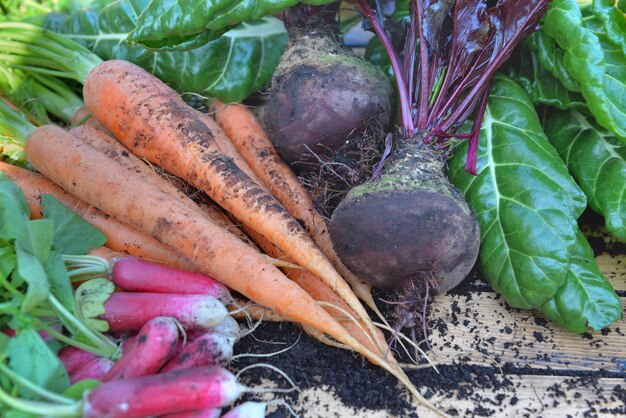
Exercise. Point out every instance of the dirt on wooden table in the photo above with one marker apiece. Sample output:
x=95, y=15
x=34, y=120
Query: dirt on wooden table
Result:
x=491, y=361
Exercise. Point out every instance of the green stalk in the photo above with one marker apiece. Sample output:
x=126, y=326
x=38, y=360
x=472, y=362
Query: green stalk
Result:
x=95, y=337
x=61, y=53
x=75, y=343
x=27, y=384
x=42, y=408
x=14, y=125
x=85, y=267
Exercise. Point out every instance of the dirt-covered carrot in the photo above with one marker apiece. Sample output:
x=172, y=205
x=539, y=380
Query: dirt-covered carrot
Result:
x=82, y=117
x=154, y=345
x=252, y=142
x=178, y=141
x=120, y=236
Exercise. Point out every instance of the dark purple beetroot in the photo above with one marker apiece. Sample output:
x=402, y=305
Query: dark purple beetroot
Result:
x=322, y=95
x=408, y=224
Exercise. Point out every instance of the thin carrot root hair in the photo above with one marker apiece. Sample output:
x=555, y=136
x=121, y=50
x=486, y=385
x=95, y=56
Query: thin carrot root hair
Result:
x=293, y=387
x=275, y=353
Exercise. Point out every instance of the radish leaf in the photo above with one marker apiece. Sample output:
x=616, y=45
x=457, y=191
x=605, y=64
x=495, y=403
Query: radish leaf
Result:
x=586, y=299
x=597, y=160
x=524, y=199
x=30, y=270
x=31, y=358
x=90, y=297
x=72, y=234
x=14, y=212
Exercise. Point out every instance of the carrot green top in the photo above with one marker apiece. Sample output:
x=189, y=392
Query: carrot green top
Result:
x=35, y=49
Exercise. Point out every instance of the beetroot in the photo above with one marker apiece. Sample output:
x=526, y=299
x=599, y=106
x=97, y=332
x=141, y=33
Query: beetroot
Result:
x=322, y=94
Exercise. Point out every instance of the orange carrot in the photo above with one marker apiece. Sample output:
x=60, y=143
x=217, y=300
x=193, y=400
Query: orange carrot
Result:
x=321, y=292
x=82, y=117
x=129, y=101
x=252, y=142
x=119, y=153
x=120, y=236
x=93, y=177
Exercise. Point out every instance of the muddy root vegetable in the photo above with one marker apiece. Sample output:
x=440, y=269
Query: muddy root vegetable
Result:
x=94, y=369
x=408, y=222
x=321, y=94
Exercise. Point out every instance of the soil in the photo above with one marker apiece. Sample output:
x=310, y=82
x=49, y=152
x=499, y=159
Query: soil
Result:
x=361, y=386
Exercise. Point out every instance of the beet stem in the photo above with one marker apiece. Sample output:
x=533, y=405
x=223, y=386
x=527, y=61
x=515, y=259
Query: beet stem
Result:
x=405, y=103
x=422, y=118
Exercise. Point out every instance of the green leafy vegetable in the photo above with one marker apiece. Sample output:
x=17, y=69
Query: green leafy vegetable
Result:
x=31, y=358
x=14, y=210
x=186, y=24
x=90, y=298
x=541, y=85
x=30, y=270
x=525, y=200
x=238, y=63
x=614, y=21
x=72, y=234
x=597, y=160
x=601, y=77
x=586, y=299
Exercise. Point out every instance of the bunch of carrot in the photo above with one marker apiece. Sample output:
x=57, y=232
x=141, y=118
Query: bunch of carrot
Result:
x=228, y=157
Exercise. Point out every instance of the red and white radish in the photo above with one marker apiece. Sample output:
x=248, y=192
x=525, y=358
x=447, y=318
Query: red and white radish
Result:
x=154, y=345
x=94, y=369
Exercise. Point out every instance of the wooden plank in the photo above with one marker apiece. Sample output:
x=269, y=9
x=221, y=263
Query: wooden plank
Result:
x=481, y=328
x=614, y=268
x=504, y=396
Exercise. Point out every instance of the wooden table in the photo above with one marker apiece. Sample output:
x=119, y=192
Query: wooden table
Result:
x=492, y=360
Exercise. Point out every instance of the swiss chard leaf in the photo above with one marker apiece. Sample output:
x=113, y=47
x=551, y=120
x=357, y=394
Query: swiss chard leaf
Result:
x=597, y=160
x=72, y=234
x=524, y=199
x=614, y=21
x=586, y=299
x=585, y=58
x=31, y=358
x=231, y=68
x=551, y=57
x=190, y=23
x=542, y=87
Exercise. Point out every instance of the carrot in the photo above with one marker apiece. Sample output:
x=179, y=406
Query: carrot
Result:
x=252, y=142
x=129, y=101
x=82, y=117
x=321, y=292
x=96, y=179
x=120, y=236
x=118, y=152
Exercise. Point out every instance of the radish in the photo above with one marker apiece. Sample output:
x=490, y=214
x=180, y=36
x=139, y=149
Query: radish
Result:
x=138, y=275
x=94, y=369
x=209, y=349
x=197, y=413
x=153, y=346
x=74, y=358
x=124, y=311
x=183, y=390
x=247, y=410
